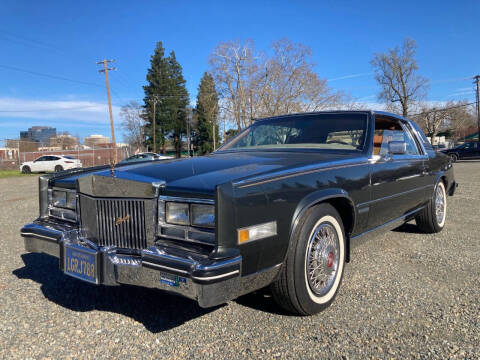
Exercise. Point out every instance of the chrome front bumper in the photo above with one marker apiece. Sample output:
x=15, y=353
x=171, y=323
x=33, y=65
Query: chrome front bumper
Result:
x=210, y=282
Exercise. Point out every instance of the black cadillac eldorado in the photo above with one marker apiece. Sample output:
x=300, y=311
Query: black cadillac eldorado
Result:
x=281, y=204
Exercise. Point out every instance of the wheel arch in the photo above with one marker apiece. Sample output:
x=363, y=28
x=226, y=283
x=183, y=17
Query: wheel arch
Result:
x=340, y=200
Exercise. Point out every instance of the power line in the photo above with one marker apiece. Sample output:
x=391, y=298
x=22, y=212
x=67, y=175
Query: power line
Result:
x=17, y=39
x=14, y=68
x=51, y=109
x=442, y=109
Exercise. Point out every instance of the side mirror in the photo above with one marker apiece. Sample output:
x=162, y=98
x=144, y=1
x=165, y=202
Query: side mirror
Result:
x=397, y=147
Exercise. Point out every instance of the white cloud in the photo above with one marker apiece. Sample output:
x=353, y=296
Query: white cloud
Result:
x=82, y=111
x=351, y=76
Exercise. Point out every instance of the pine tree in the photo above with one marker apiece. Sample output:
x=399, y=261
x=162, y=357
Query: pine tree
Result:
x=166, y=86
x=178, y=103
x=206, y=112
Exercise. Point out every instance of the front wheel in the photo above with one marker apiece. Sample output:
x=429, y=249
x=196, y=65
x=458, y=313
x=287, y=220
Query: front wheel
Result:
x=311, y=275
x=454, y=157
x=432, y=218
x=58, y=168
x=26, y=170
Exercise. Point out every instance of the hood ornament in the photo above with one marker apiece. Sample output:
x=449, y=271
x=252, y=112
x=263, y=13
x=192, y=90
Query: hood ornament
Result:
x=121, y=220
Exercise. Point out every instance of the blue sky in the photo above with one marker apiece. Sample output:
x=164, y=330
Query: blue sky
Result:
x=66, y=38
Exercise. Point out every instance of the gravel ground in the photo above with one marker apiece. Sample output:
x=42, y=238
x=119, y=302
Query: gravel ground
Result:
x=404, y=295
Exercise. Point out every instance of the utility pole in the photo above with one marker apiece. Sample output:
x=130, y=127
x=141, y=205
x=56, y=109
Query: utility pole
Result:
x=155, y=100
x=214, y=128
x=189, y=135
x=105, y=70
x=477, y=79
x=154, y=126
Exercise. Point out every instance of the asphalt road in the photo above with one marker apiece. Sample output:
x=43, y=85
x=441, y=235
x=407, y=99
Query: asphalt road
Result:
x=404, y=295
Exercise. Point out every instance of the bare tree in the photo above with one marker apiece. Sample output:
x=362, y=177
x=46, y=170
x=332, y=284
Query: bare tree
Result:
x=133, y=124
x=396, y=73
x=234, y=66
x=462, y=117
x=432, y=119
x=453, y=116
x=252, y=84
x=288, y=82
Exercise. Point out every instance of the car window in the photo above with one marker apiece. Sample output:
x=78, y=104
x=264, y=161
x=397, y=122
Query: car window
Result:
x=421, y=136
x=387, y=130
x=319, y=131
x=42, y=158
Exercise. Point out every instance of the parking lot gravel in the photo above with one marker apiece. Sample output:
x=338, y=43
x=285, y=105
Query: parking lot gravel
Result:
x=404, y=295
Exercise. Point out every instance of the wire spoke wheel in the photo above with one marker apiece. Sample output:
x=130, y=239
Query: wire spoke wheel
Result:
x=440, y=204
x=322, y=260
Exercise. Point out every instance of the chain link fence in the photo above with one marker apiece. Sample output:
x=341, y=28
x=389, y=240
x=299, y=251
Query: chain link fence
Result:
x=15, y=152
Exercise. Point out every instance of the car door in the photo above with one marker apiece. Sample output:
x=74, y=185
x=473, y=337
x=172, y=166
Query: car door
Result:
x=397, y=180
x=38, y=165
x=49, y=163
x=477, y=151
x=468, y=151
x=54, y=161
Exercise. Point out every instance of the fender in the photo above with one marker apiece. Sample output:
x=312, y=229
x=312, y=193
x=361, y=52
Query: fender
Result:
x=318, y=197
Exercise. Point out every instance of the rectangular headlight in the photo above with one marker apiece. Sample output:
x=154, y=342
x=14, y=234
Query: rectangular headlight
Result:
x=177, y=213
x=64, y=199
x=257, y=232
x=203, y=215
x=59, y=198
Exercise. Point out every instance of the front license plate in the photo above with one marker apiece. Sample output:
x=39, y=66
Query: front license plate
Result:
x=172, y=280
x=81, y=263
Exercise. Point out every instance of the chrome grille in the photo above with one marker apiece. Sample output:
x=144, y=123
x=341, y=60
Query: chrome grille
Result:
x=114, y=222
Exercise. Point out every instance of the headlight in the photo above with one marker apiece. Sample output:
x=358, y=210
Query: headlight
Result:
x=62, y=204
x=177, y=213
x=203, y=215
x=64, y=199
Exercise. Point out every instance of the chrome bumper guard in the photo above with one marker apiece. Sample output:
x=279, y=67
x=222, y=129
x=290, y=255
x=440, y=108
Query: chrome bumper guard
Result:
x=210, y=282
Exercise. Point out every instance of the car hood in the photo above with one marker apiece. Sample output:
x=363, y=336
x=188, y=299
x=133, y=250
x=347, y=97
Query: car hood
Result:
x=200, y=175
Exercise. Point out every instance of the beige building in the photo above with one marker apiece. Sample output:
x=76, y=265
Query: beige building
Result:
x=96, y=139
x=64, y=142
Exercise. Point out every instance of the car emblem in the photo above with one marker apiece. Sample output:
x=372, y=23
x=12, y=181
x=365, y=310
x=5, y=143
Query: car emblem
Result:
x=121, y=220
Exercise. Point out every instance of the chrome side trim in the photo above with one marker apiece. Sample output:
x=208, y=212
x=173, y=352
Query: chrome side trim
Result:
x=393, y=196
x=392, y=224
x=304, y=170
x=236, y=260
x=206, y=278
x=163, y=267
x=187, y=200
x=52, y=239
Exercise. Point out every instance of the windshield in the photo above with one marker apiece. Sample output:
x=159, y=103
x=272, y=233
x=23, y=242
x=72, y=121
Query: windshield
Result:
x=344, y=131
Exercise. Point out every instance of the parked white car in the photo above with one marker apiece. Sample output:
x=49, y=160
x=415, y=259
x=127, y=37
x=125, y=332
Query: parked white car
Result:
x=50, y=163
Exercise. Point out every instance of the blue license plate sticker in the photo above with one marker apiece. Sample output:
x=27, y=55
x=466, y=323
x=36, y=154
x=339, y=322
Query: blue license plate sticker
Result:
x=172, y=280
x=81, y=263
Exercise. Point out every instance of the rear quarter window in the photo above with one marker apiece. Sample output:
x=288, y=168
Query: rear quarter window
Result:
x=421, y=136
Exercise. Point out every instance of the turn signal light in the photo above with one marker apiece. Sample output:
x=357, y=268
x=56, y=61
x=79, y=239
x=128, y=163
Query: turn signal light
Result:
x=257, y=232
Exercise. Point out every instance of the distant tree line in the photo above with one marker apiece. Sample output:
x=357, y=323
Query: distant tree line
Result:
x=244, y=83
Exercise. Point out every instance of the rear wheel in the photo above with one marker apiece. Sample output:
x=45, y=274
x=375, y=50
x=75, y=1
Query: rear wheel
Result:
x=58, y=168
x=26, y=170
x=432, y=218
x=311, y=275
